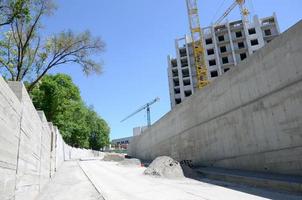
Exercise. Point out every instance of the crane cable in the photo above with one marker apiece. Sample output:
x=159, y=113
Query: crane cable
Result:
x=251, y=6
x=213, y=18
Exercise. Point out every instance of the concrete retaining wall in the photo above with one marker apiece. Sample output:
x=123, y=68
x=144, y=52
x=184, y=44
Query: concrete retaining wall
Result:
x=31, y=149
x=250, y=118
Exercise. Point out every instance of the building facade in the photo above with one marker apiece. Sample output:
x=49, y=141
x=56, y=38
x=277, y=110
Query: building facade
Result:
x=121, y=143
x=225, y=46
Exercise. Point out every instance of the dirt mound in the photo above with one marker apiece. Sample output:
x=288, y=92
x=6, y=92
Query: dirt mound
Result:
x=113, y=157
x=165, y=166
x=130, y=162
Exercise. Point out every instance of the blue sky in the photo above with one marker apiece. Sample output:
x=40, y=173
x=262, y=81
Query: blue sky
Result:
x=139, y=34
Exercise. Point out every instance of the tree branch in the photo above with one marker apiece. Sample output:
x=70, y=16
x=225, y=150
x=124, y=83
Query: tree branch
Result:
x=8, y=69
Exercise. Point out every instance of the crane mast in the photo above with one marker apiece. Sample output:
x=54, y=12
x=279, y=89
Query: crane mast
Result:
x=197, y=44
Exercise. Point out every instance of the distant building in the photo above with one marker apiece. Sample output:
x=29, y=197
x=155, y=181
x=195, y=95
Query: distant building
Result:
x=138, y=130
x=121, y=143
x=225, y=46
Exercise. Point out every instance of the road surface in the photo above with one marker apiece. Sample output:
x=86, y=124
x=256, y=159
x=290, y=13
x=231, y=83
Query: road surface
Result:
x=98, y=180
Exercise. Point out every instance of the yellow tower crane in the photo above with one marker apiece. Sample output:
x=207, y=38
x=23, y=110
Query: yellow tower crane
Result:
x=244, y=11
x=197, y=44
x=197, y=37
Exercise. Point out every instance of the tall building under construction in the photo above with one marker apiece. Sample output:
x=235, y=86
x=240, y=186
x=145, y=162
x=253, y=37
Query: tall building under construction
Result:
x=225, y=46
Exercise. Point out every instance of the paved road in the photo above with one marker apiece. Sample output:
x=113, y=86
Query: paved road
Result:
x=99, y=180
x=70, y=183
x=117, y=182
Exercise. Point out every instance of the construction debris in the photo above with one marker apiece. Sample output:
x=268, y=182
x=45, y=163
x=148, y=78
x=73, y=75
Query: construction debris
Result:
x=165, y=166
x=190, y=173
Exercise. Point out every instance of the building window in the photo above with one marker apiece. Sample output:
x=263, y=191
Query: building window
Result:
x=226, y=69
x=243, y=56
x=214, y=73
x=212, y=62
x=252, y=31
x=188, y=93
x=174, y=63
x=176, y=83
x=240, y=45
x=184, y=62
x=185, y=75
x=185, y=72
x=175, y=74
x=221, y=38
x=210, y=51
x=225, y=60
x=223, y=49
x=182, y=52
x=267, y=32
x=186, y=82
x=268, y=41
x=209, y=41
x=177, y=90
x=254, y=42
x=177, y=101
x=238, y=34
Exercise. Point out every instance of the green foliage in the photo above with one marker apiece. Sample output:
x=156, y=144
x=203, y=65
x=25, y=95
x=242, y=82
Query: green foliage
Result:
x=61, y=102
x=13, y=9
x=24, y=55
x=97, y=126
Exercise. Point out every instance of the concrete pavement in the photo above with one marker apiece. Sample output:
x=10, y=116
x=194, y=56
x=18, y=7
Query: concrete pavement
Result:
x=69, y=183
x=117, y=182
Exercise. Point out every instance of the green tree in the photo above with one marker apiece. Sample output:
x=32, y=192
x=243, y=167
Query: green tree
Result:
x=13, y=9
x=61, y=102
x=99, y=130
x=24, y=55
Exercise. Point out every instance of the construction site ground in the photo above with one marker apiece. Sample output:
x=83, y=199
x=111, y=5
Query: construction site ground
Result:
x=97, y=179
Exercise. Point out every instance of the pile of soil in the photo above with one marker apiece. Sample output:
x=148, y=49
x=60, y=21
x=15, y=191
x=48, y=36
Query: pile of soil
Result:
x=166, y=167
x=113, y=157
x=130, y=162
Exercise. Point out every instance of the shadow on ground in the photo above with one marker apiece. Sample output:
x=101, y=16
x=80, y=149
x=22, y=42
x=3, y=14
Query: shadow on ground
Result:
x=261, y=192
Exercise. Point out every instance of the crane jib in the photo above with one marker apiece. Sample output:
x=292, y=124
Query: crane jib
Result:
x=147, y=107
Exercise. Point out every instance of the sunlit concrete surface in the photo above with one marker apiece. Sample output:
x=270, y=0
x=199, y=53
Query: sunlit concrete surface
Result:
x=69, y=183
x=116, y=182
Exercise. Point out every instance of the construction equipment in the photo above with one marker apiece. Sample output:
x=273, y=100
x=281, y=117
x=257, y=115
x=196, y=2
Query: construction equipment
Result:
x=197, y=44
x=147, y=107
x=244, y=11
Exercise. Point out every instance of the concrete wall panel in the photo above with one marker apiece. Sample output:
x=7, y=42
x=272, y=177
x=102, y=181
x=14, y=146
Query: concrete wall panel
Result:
x=249, y=118
x=45, y=149
x=29, y=160
x=31, y=149
x=9, y=138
